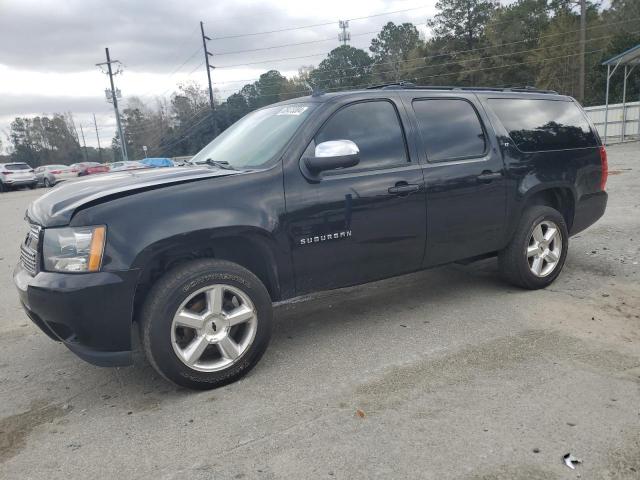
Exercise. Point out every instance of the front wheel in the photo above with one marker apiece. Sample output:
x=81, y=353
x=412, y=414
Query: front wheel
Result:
x=537, y=252
x=206, y=323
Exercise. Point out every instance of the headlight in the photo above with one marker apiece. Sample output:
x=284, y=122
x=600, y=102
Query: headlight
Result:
x=77, y=249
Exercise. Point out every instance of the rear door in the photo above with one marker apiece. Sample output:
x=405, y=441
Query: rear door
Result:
x=361, y=223
x=464, y=176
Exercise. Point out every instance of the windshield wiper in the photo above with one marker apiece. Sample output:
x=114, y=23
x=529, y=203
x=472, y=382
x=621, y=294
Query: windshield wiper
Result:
x=220, y=164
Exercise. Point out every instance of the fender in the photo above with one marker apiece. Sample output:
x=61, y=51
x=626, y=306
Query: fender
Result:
x=198, y=216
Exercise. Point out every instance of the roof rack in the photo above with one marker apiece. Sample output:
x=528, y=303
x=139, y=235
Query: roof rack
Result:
x=408, y=85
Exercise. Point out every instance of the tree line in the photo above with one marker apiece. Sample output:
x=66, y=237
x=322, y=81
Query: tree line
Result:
x=473, y=43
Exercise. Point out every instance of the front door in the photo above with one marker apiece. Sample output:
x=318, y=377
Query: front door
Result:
x=361, y=223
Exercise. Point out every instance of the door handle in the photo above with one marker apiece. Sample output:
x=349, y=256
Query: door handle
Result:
x=488, y=176
x=403, y=188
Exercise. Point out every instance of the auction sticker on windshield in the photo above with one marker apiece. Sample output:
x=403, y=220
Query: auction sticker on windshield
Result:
x=292, y=110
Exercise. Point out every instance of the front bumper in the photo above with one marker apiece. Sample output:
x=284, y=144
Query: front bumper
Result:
x=90, y=313
x=588, y=210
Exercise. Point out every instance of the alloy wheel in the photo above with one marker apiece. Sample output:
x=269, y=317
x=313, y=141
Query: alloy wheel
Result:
x=544, y=249
x=213, y=328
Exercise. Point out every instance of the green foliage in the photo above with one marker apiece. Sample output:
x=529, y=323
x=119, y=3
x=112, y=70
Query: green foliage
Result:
x=43, y=140
x=393, y=51
x=462, y=21
x=344, y=67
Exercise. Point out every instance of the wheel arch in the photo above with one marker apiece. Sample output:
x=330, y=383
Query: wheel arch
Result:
x=560, y=196
x=251, y=248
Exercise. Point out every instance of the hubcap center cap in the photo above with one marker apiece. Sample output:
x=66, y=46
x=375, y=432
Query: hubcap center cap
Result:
x=216, y=327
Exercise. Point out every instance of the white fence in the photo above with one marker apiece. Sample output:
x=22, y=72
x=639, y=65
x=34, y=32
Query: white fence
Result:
x=621, y=126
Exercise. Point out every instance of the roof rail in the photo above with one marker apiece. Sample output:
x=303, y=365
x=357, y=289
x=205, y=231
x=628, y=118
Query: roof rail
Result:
x=392, y=85
x=408, y=85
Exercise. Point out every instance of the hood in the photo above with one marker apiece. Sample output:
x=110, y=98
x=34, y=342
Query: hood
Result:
x=57, y=206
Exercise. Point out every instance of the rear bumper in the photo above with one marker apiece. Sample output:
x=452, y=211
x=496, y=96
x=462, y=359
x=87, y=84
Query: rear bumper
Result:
x=588, y=210
x=22, y=181
x=90, y=313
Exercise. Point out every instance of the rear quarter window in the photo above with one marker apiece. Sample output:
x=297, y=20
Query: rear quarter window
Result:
x=538, y=125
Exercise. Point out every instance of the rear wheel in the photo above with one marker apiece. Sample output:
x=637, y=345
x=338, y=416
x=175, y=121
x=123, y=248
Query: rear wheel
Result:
x=47, y=183
x=3, y=187
x=537, y=252
x=206, y=323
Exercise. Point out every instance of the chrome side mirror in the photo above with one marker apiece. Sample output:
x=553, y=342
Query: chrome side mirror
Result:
x=331, y=155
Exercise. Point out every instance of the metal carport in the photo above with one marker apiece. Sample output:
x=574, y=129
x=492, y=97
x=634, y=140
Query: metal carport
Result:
x=629, y=59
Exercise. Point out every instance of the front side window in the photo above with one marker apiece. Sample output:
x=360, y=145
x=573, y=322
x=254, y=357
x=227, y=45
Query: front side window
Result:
x=450, y=129
x=539, y=125
x=374, y=127
x=257, y=138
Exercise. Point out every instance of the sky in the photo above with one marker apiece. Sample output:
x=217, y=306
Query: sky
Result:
x=50, y=48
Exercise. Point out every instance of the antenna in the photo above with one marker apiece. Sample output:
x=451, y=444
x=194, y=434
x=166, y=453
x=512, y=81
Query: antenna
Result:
x=345, y=36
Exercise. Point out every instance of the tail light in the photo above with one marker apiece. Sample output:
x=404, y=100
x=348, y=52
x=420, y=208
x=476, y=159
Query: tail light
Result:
x=7, y=173
x=74, y=170
x=56, y=172
x=605, y=168
x=31, y=171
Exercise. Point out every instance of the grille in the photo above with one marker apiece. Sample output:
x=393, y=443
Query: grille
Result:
x=29, y=250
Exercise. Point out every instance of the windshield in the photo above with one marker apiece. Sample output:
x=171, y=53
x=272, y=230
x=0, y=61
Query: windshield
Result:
x=257, y=138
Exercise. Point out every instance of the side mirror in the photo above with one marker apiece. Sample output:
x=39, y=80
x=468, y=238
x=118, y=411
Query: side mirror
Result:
x=331, y=155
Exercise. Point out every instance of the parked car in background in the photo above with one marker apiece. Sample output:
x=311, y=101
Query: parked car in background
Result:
x=157, y=162
x=99, y=168
x=83, y=166
x=128, y=165
x=17, y=174
x=49, y=175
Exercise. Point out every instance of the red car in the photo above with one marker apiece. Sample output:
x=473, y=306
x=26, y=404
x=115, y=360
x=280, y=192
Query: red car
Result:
x=96, y=169
x=88, y=168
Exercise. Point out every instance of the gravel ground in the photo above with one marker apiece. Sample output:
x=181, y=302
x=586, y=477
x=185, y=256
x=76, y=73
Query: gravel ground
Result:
x=442, y=374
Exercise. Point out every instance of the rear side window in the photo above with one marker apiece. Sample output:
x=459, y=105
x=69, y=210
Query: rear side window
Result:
x=450, y=129
x=374, y=127
x=538, y=125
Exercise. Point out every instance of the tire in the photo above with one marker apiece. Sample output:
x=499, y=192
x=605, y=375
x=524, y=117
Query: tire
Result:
x=32, y=186
x=3, y=187
x=525, y=253
x=169, y=345
x=46, y=183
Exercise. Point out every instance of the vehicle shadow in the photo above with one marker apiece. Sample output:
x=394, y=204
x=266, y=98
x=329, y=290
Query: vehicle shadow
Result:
x=327, y=316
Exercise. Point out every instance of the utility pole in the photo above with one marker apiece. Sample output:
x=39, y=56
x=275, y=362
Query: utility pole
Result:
x=114, y=100
x=95, y=124
x=210, y=67
x=345, y=36
x=583, y=31
x=84, y=144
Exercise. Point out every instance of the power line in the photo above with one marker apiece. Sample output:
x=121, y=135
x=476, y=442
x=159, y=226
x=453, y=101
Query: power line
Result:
x=409, y=61
x=333, y=22
x=276, y=60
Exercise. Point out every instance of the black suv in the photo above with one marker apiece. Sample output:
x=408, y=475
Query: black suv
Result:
x=305, y=195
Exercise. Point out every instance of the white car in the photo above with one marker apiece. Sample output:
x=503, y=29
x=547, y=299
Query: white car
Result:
x=49, y=175
x=128, y=165
x=17, y=174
